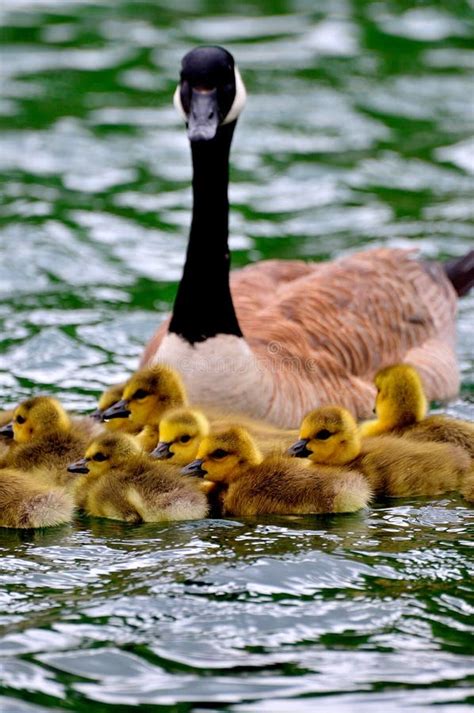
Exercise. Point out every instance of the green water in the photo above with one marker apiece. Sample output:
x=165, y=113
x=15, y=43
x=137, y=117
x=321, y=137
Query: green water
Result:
x=357, y=132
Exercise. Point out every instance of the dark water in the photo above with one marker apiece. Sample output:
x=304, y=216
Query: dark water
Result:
x=357, y=132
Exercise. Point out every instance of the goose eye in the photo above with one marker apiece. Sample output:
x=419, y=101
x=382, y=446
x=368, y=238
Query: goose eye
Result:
x=20, y=420
x=99, y=457
x=184, y=439
x=323, y=434
x=219, y=453
x=140, y=394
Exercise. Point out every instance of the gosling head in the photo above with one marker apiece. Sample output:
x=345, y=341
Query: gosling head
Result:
x=109, y=452
x=108, y=398
x=181, y=431
x=147, y=395
x=224, y=454
x=400, y=399
x=39, y=417
x=328, y=435
x=210, y=93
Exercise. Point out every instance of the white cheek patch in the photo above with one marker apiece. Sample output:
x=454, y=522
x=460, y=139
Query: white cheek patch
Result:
x=234, y=111
x=178, y=104
x=239, y=100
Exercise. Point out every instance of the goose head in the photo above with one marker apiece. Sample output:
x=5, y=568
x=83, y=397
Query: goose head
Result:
x=328, y=435
x=223, y=455
x=210, y=93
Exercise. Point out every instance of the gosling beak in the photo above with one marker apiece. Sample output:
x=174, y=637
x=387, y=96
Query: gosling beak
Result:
x=7, y=430
x=162, y=451
x=194, y=468
x=79, y=467
x=298, y=449
x=118, y=410
x=97, y=415
x=203, y=118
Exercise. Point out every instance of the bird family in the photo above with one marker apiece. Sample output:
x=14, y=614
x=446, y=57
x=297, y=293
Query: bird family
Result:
x=254, y=397
x=147, y=455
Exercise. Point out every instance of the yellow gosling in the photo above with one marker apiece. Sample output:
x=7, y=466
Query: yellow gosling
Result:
x=401, y=408
x=147, y=395
x=249, y=484
x=116, y=480
x=46, y=437
x=395, y=467
x=27, y=503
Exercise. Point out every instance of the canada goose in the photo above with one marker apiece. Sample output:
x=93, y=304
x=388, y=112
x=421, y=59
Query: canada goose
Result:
x=116, y=480
x=27, y=503
x=395, y=467
x=250, y=484
x=401, y=408
x=313, y=333
x=46, y=437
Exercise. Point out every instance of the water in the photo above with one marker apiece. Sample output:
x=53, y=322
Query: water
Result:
x=357, y=132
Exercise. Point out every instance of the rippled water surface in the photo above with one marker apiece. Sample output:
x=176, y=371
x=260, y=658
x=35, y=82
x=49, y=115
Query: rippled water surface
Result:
x=357, y=132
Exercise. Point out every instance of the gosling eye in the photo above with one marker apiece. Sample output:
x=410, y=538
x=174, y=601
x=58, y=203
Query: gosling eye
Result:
x=140, y=394
x=219, y=453
x=185, y=439
x=99, y=457
x=20, y=420
x=323, y=434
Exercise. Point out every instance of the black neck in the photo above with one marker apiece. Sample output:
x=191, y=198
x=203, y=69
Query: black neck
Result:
x=203, y=306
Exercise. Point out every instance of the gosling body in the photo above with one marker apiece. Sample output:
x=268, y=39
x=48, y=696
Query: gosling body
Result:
x=27, y=503
x=115, y=480
x=401, y=407
x=394, y=467
x=249, y=484
x=46, y=438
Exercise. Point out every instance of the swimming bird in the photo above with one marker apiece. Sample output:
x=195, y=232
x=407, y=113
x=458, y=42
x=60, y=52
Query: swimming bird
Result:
x=116, y=480
x=249, y=484
x=47, y=437
x=401, y=408
x=395, y=467
x=280, y=337
x=27, y=503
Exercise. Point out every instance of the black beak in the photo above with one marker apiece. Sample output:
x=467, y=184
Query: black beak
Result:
x=194, y=468
x=80, y=466
x=117, y=410
x=298, y=449
x=97, y=415
x=162, y=451
x=7, y=430
x=203, y=118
